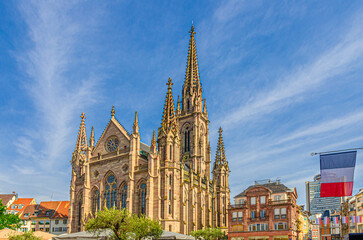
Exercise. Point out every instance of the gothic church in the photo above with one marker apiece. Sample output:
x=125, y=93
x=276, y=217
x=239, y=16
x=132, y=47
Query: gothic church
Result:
x=170, y=180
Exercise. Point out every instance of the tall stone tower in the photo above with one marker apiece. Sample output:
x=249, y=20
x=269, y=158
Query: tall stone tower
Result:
x=169, y=147
x=221, y=184
x=80, y=182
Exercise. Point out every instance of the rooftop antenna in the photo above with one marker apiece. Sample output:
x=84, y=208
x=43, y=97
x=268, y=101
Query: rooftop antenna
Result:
x=51, y=197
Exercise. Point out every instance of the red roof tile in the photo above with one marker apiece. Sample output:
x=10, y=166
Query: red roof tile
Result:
x=62, y=210
x=47, y=209
x=29, y=212
x=20, y=204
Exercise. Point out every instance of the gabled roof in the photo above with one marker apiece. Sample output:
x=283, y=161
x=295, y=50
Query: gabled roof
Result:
x=47, y=209
x=274, y=187
x=29, y=212
x=6, y=198
x=20, y=204
x=119, y=126
x=62, y=210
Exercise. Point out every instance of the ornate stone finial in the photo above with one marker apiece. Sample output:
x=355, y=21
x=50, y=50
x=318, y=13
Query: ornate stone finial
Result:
x=113, y=112
x=136, y=124
x=178, y=109
x=92, y=139
x=192, y=29
x=83, y=117
x=169, y=84
x=153, y=140
x=205, y=106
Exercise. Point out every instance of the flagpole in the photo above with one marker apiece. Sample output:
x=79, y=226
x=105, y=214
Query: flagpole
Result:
x=343, y=150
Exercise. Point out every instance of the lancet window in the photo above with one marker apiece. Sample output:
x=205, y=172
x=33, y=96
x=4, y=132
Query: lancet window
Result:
x=95, y=201
x=142, y=198
x=111, y=191
x=187, y=140
x=123, y=196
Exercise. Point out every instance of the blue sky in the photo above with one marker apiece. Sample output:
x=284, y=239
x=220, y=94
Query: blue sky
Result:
x=283, y=79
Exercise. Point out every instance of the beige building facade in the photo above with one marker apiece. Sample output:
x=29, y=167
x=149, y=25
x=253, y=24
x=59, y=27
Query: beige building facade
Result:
x=170, y=180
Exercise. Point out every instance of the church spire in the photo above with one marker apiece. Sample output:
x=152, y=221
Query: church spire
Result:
x=169, y=120
x=92, y=139
x=192, y=82
x=153, y=143
x=220, y=155
x=136, y=124
x=82, y=137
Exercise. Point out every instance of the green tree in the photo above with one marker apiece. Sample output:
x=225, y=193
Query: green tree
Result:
x=123, y=224
x=11, y=221
x=208, y=234
x=24, y=236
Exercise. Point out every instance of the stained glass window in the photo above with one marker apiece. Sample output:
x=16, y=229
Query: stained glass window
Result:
x=112, y=144
x=124, y=196
x=111, y=191
x=96, y=201
x=143, y=198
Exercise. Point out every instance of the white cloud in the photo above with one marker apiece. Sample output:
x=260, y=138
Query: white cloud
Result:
x=304, y=80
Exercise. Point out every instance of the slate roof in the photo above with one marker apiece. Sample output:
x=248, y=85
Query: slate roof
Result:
x=274, y=187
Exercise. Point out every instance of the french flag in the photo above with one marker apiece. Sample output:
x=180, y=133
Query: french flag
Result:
x=337, y=174
x=326, y=221
x=344, y=219
x=359, y=219
x=318, y=221
x=335, y=220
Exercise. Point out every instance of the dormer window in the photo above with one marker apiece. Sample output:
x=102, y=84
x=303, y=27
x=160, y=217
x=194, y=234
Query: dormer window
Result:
x=13, y=206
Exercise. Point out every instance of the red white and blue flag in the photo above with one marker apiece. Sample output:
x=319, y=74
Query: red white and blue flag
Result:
x=318, y=221
x=326, y=221
x=337, y=174
x=335, y=220
x=344, y=219
x=359, y=219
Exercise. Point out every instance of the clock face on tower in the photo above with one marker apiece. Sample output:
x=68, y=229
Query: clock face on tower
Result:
x=185, y=157
x=111, y=144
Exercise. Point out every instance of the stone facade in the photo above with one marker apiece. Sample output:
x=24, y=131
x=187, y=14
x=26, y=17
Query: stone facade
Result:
x=169, y=180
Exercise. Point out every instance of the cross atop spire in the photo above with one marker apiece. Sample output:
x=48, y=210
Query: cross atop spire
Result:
x=169, y=120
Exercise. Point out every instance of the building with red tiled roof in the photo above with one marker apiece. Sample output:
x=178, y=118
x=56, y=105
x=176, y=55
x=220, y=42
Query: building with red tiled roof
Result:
x=8, y=199
x=59, y=220
x=50, y=216
x=19, y=205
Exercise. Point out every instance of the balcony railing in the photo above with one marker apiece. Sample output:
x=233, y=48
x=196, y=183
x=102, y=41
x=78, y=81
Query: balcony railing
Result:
x=285, y=201
x=238, y=205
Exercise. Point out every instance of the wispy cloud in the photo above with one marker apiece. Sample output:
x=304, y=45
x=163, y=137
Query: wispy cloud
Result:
x=57, y=96
x=304, y=80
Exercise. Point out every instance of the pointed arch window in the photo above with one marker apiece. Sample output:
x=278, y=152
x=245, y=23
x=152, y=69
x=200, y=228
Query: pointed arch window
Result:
x=80, y=203
x=123, y=196
x=111, y=191
x=142, y=197
x=95, y=201
x=187, y=140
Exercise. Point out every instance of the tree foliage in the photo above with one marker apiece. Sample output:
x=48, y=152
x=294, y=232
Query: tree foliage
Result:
x=11, y=221
x=124, y=225
x=208, y=234
x=24, y=236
